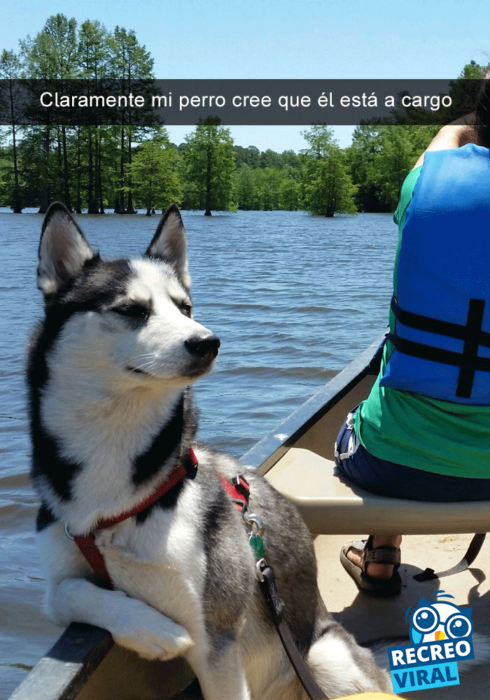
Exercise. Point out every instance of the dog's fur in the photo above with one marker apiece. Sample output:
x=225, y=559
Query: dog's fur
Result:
x=111, y=415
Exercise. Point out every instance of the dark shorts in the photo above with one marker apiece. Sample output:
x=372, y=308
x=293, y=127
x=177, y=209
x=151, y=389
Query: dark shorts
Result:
x=395, y=480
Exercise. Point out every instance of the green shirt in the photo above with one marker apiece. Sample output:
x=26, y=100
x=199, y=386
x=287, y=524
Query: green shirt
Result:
x=418, y=431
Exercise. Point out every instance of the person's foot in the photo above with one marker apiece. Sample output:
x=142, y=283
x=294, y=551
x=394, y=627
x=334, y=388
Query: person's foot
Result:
x=382, y=556
x=374, y=570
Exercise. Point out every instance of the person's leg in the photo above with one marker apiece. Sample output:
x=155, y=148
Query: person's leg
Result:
x=397, y=480
x=350, y=458
x=394, y=481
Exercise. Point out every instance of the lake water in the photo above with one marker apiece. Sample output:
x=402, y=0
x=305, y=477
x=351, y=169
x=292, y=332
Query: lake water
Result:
x=293, y=298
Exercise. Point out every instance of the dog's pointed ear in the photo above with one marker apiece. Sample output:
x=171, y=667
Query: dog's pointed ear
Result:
x=170, y=243
x=63, y=250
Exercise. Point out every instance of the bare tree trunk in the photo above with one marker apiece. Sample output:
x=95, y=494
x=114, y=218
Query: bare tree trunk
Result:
x=92, y=204
x=46, y=191
x=78, y=206
x=16, y=204
x=130, y=209
x=99, y=170
x=208, y=184
x=119, y=204
x=66, y=177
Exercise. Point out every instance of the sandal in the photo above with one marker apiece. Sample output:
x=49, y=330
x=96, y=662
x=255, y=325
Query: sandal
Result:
x=381, y=555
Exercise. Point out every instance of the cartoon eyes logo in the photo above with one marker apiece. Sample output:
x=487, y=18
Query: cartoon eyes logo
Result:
x=427, y=620
x=438, y=621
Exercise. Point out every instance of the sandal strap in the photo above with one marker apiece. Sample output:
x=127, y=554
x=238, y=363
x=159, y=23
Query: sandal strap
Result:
x=382, y=555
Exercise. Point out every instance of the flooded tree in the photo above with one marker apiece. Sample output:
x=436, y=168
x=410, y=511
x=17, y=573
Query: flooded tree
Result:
x=154, y=173
x=328, y=188
x=10, y=67
x=210, y=160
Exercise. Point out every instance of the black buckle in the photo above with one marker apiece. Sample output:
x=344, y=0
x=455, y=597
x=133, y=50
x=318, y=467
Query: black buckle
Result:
x=240, y=504
x=242, y=486
x=191, y=467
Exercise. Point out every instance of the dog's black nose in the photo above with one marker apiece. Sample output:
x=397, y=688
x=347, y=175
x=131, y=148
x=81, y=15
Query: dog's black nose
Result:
x=205, y=347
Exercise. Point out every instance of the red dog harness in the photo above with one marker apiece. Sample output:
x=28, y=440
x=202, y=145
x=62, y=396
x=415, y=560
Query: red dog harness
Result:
x=238, y=490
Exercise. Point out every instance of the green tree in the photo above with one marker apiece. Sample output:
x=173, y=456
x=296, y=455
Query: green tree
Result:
x=393, y=163
x=10, y=69
x=250, y=156
x=129, y=62
x=5, y=170
x=245, y=187
x=53, y=54
x=290, y=194
x=380, y=158
x=473, y=71
x=270, y=159
x=154, y=173
x=361, y=158
x=210, y=160
x=292, y=160
x=268, y=188
x=93, y=54
x=269, y=182
x=328, y=187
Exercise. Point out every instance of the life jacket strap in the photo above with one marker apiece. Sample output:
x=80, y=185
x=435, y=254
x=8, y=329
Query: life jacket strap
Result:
x=472, y=334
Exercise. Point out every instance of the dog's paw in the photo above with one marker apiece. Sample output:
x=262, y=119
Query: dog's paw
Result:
x=151, y=634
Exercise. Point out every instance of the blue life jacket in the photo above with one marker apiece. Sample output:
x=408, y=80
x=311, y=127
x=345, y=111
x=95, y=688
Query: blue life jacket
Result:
x=442, y=290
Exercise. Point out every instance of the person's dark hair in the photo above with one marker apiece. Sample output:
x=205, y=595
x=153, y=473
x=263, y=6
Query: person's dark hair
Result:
x=482, y=112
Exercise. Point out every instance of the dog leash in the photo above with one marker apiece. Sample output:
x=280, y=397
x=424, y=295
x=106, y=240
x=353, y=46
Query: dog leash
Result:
x=239, y=490
x=276, y=606
x=86, y=543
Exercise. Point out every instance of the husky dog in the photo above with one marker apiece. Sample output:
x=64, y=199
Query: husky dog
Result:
x=110, y=370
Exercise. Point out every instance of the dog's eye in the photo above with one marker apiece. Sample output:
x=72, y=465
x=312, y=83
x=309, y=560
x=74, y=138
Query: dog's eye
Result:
x=135, y=311
x=185, y=308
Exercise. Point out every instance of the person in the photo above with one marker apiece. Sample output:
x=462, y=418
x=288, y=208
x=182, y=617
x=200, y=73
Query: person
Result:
x=424, y=431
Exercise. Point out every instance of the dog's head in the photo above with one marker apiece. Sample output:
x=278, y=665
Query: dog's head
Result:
x=127, y=322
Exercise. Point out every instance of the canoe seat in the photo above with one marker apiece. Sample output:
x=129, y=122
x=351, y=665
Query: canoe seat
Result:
x=332, y=505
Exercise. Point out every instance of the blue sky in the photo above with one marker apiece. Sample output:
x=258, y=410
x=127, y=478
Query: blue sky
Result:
x=322, y=39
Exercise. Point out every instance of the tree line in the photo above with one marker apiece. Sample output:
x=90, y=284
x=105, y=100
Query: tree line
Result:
x=130, y=166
